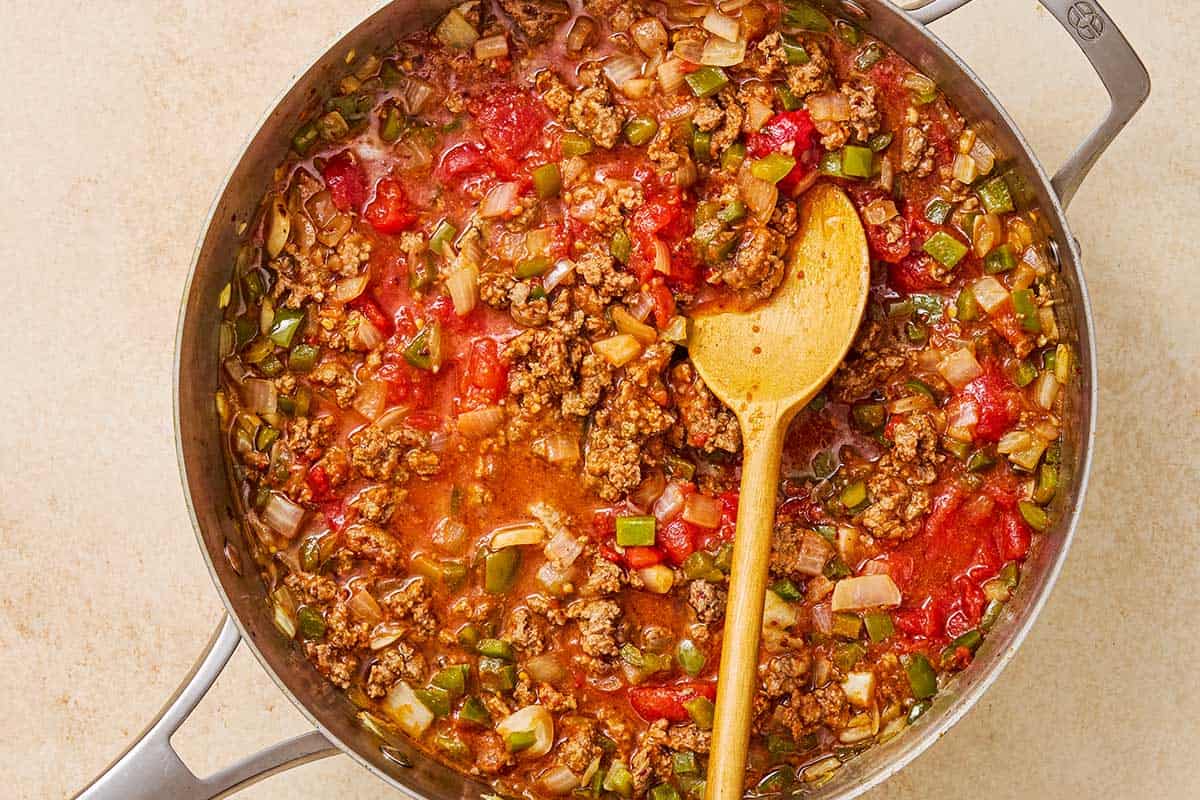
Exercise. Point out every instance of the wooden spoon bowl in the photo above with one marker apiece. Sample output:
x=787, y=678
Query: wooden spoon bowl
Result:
x=766, y=364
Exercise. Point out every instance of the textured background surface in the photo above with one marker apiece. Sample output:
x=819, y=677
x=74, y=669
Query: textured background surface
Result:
x=120, y=121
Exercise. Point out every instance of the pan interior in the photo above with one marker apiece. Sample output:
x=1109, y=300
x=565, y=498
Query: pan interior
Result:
x=212, y=507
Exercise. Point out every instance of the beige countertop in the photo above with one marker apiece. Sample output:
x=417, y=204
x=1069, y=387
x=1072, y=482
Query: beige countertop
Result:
x=121, y=119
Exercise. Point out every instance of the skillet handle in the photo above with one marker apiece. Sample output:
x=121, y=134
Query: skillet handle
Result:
x=151, y=768
x=1121, y=71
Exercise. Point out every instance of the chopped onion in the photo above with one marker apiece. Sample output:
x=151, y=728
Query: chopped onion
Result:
x=829, y=106
x=500, y=200
x=669, y=503
x=455, y=31
x=491, y=47
x=282, y=515
x=366, y=336
x=887, y=173
x=822, y=619
x=649, y=490
x=279, y=227
x=580, y=34
x=1062, y=363
x=560, y=449
x=627, y=323
x=517, y=534
x=553, y=577
x=403, y=706
x=621, y=68
x=760, y=196
x=547, y=668
x=364, y=607
x=1049, y=324
x=757, y=114
x=984, y=158
x=718, y=52
x=414, y=94
x=859, y=688
x=866, y=591
x=563, y=549
x=858, y=729
x=386, y=634
x=960, y=368
x=718, y=24
x=480, y=422
x=642, y=306
x=1022, y=448
x=347, y=289
x=637, y=88
x=689, y=49
x=390, y=418
x=371, y=399
x=1046, y=390
x=1036, y=258
x=813, y=554
x=649, y=35
x=962, y=420
x=965, y=168
x=909, y=404
x=259, y=396
x=989, y=293
x=463, y=285
x=618, y=350
x=702, y=510
x=670, y=75
x=558, y=780
x=880, y=211
x=986, y=233
x=658, y=578
x=533, y=719
x=1022, y=277
x=662, y=257
x=557, y=274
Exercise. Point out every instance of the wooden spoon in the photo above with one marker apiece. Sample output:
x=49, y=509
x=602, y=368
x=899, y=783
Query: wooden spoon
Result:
x=766, y=364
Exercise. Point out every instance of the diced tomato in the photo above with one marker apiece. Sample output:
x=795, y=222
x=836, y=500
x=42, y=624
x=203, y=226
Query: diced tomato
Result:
x=678, y=540
x=318, y=482
x=664, y=302
x=1004, y=322
x=346, y=181
x=792, y=132
x=374, y=314
x=898, y=566
x=390, y=211
x=484, y=376
x=1014, y=536
x=916, y=621
x=423, y=420
x=666, y=702
x=998, y=401
x=911, y=274
x=642, y=557
x=886, y=245
x=712, y=539
x=464, y=166
x=662, y=217
x=512, y=121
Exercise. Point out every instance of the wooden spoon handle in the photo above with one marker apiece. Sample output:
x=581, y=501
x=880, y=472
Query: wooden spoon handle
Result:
x=761, y=448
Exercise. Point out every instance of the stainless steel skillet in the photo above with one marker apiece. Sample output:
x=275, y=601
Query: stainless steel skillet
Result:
x=150, y=768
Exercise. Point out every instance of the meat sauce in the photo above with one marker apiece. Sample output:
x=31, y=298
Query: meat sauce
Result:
x=491, y=498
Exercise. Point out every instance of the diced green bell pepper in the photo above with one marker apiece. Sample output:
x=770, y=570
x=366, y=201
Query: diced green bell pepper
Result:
x=285, y=325
x=636, y=531
x=995, y=196
x=945, y=248
x=547, y=180
x=691, y=658
x=772, y=167
x=858, y=162
x=640, y=130
x=1001, y=259
x=706, y=81
x=572, y=144
x=500, y=570
x=921, y=676
x=879, y=625
x=1026, y=310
